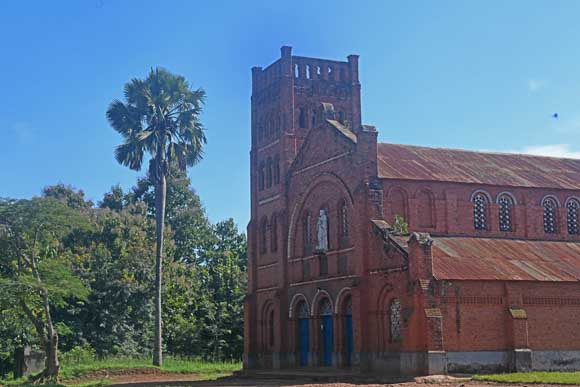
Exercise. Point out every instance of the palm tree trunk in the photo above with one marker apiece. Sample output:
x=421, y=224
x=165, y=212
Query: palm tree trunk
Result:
x=160, y=198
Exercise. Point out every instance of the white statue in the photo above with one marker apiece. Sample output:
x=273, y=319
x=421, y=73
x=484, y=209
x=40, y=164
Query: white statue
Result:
x=322, y=231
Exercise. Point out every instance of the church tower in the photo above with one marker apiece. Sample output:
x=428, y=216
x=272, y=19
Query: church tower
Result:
x=287, y=98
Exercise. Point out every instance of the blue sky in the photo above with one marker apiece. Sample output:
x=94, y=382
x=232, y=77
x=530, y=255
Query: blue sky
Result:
x=484, y=75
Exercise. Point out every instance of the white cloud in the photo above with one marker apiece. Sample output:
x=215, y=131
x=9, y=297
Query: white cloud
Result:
x=552, y=150
x=536, y=85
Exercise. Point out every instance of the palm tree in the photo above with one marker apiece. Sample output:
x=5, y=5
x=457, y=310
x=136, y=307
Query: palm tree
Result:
x=160, y=117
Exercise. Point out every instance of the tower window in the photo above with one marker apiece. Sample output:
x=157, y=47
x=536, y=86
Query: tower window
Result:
x=261, y=176
x=480, y=203
x=506, y=205
x=269, y=173
x=264, y=236
x=277, y=170
x=572, y=208
x=550, y=218
x=274, y=236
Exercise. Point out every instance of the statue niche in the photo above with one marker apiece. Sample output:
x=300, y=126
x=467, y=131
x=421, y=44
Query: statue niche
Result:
x=322, y=232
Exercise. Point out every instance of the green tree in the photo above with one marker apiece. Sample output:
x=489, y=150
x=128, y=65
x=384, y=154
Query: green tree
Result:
x=116, y=262
x=36, y=269
x=113, y=200
x=160, y=116
x=68, y=195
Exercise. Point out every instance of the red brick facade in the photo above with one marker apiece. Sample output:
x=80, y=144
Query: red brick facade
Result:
x=488, y=276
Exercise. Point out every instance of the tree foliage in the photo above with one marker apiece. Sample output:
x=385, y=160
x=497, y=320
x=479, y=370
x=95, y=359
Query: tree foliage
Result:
x=97, y=266
x=37, y=268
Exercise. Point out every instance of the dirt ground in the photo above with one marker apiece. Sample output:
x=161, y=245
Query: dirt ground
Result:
x=192, y=380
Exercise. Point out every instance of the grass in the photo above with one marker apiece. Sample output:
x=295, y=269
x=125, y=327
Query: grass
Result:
x=71, y=373
x=533, y=377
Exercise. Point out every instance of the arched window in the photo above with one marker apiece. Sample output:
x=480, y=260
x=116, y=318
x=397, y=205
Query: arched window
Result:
x=302, y=310
x=325, y=307
x=264, y=236
x=425, y=209
x=261, y=176
x=269, y=173
x=277, y=169
x=550, y=215
x=307, y=233
x=398, y=201
x=395, y=320
x=572, y=208
x=271, y=329
x=506, y=205
x=348, y=306
x=343, y=214
x=480, y=203
x=274, y=236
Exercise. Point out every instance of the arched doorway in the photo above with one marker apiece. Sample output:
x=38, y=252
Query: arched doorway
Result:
x=326, y=332
x=348, y=340
x=303, y=333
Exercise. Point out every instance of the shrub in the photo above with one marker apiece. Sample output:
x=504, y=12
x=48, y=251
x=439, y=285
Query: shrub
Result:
x=79, y=354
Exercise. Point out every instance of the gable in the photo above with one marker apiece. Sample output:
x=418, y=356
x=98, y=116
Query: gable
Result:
x=324, y=143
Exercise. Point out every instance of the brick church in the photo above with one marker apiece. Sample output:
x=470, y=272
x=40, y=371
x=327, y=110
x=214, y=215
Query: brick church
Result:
x=400, y=259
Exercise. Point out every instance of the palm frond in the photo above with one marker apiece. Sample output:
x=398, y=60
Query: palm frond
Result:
x=123, y=118
x=130, y=154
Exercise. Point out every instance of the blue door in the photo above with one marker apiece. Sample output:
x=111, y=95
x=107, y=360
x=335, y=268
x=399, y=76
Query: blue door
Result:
x=348, y=327
x=327, y=340
x=304, y=341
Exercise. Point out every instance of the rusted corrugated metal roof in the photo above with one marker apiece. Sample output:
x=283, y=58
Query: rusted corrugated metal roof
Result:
x=463, y=258
x=452, y=165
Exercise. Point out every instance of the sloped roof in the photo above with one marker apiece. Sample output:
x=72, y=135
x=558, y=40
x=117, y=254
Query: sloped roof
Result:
x=451, y=165
x=464, y=258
